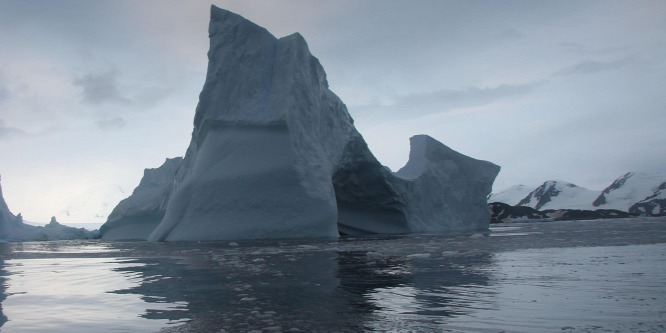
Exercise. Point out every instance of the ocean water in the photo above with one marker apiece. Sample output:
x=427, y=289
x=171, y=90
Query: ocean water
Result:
x=588, y=276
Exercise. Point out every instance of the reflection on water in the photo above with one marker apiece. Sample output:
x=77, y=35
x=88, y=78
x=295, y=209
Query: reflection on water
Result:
x=71, y=294
x=4, y=252
x=534, y=278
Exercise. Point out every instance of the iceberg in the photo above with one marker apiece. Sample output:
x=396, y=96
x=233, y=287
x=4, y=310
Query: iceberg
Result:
x=8, y=222
x=136, y=216
x=274, y=154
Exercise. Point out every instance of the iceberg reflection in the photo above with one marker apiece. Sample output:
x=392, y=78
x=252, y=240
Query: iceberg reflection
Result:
x=535, y=278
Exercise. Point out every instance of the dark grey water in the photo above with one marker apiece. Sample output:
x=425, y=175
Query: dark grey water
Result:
x=593, y=276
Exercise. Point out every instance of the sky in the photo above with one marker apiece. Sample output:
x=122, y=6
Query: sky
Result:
x=93, y=92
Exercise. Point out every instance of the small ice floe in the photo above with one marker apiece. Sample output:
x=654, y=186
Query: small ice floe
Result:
x=258, y=260
x=418, y=256
x=233, y=244
x=269, y=250
x=475, y=236
x=373, y=254
x=248, y=299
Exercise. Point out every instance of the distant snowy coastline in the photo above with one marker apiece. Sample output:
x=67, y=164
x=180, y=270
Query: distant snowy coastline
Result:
x=632, y=194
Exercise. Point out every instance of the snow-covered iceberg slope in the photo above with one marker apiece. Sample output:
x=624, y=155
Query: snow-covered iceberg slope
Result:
x=136, y=216
x=445, y=189
x=274, y=154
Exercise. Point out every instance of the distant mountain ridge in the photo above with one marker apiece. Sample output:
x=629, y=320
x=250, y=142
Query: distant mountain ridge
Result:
x=558, y=195
x=633, y=192
x=12, y=228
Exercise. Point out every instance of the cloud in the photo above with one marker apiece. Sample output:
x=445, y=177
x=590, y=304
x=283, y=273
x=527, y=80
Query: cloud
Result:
x=510, y=34
x=111, y=124
x=8, y=132
x=586, y=50
x=593, y=67
x=4, y=91
x=445, y=100
x=101, y=88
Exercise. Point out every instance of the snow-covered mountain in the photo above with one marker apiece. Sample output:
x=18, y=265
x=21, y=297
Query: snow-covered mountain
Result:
x=512, y=195
x=557, y=194
x=633, y=192
x=652, y=205
x=628, y=190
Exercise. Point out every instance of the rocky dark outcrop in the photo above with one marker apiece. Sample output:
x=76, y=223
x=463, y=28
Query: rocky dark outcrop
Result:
x=502, y=213
x=654, y=205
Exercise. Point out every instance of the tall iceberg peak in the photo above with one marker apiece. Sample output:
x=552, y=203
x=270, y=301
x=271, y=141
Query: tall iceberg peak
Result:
x=446, y=189
x=274, y=154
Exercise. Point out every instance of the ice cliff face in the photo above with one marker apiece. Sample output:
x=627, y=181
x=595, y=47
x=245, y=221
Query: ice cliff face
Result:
x=136, y=216
x=444, y=189
x=274, y=154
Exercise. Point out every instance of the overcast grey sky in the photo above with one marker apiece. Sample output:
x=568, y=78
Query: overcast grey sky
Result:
x=93, y=92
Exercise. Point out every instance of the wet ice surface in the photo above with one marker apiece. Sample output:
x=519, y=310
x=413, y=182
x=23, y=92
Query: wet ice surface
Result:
x=592, y=276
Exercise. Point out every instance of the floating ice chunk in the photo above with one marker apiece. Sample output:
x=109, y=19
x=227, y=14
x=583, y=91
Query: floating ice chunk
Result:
x=373, y=254
x=419, y=255
x=307, y=247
